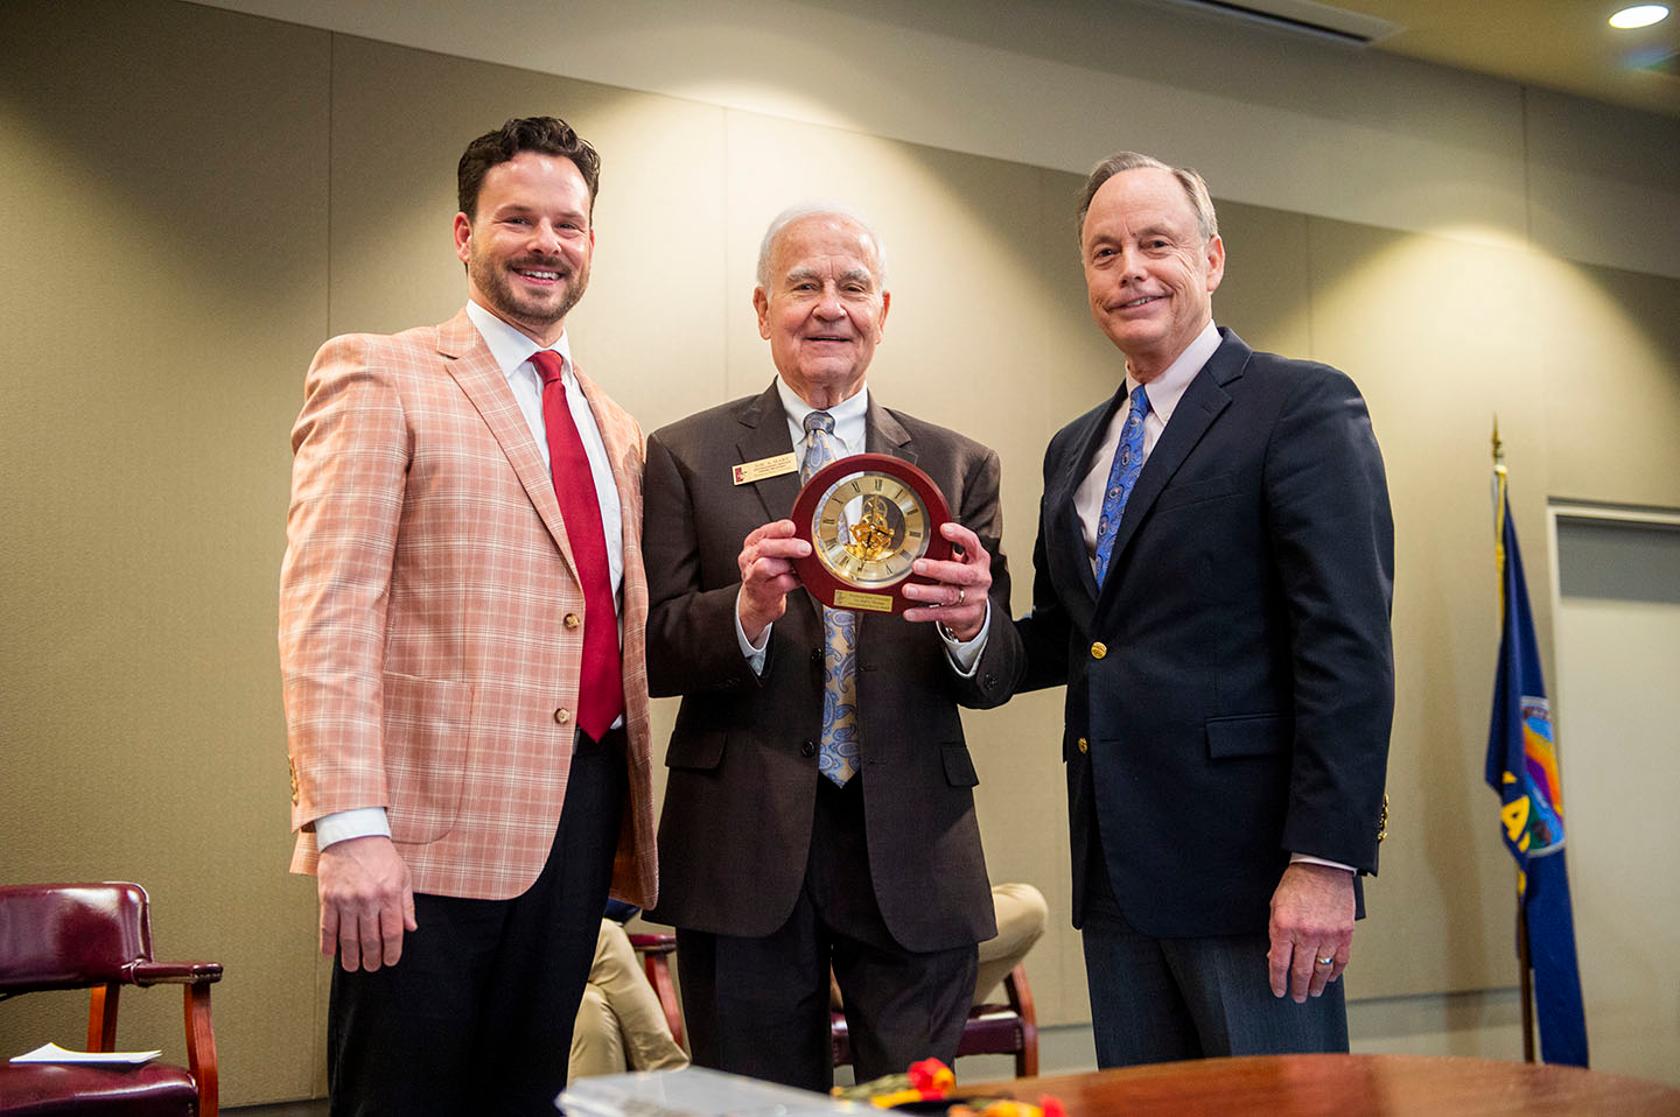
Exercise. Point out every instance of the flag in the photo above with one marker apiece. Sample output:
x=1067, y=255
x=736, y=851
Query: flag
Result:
x=1522, y=768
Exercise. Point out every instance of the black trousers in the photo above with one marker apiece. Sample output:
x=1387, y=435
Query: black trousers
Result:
x=477, y=1017
x=760, y=1006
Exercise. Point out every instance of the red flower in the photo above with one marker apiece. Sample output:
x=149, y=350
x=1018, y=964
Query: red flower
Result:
x=933, y=1078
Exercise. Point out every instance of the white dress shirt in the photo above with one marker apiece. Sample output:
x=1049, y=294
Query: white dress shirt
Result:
x=851, y=432
x=1164, y=392
x=512, y=351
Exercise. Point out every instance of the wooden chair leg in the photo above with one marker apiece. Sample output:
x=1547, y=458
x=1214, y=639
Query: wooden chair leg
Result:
x=1021, y=1000
x=102, y=1017
x=201, y=1046
x=658, y=970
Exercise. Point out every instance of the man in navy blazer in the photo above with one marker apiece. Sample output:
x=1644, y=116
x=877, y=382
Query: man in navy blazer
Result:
x=1214, y=572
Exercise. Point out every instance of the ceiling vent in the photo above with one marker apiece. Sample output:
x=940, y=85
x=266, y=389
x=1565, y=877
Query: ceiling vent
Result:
x=1300, y=17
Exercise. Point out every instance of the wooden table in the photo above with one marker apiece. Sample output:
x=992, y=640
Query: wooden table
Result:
x=1343, y=1086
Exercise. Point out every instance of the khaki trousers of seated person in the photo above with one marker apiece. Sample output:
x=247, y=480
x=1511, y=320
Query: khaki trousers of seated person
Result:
x=1021, y=918
x=1022, y=915
x=620, y=1024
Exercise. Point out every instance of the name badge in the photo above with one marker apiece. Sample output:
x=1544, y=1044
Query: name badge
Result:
x=748, y=472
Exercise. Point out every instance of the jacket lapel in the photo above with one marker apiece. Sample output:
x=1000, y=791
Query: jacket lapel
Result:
x=1066, y=538
x=473, y=367
x=764, y=434
x=1200, y=405
x=884, y=434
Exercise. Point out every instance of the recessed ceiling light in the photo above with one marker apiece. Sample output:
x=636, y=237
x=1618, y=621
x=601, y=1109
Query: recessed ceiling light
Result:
x=1640, y=15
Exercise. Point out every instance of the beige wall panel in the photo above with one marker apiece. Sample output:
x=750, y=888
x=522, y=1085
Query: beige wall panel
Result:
x=1080, y=370
x=1610, y=375
x=649, y=328
x=1272, y=120
x=170, y=165
x=1266, y=295
x=1604, y=183
x=1439, y=335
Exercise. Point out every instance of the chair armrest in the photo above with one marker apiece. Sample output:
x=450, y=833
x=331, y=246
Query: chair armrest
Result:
x=649, y=942
x=172, y=973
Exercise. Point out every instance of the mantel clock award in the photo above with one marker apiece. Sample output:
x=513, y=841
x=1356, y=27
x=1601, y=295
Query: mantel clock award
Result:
x=868, y=517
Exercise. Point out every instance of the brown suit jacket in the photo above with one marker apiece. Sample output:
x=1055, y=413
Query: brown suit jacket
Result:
x=427, y=664
x=737, y=822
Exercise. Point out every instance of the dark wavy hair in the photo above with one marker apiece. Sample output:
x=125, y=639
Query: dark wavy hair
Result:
x=546, y=135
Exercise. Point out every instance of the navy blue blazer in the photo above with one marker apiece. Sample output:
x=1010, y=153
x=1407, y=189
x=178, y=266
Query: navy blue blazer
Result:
x=1230, y=691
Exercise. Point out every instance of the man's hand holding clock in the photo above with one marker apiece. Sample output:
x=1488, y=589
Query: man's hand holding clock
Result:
x=869, y=533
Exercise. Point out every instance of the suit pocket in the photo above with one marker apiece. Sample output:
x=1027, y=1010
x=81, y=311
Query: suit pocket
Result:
x=959, y=767
x=427, y=739
x=1251, y=735
x=701, y=751
x=1195, y=492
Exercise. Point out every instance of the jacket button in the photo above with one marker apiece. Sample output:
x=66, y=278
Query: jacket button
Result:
x=562, y=715
x=1084, y=745
x=1098, y=650
x=572, y=620
x=809, y=748
x=817, y=656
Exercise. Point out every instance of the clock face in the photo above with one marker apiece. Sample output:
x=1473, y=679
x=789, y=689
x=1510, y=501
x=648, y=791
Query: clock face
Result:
x=868, y=518
x=868, y=528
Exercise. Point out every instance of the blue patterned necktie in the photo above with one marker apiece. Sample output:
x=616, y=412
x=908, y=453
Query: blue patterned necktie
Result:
x=1122, y=478
x=837, y=756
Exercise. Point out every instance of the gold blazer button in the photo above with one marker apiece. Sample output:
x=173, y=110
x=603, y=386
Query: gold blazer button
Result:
x=572, y=620
x=1098, y=650
x=1084, y=745
x=562, y=715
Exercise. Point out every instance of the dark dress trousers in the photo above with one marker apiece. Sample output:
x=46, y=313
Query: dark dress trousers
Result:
x=756, y=847
x=1230, y=690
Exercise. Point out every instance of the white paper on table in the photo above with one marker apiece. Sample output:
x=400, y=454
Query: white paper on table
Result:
x=53, y=1053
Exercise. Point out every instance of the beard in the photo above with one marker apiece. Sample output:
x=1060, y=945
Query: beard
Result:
x=496, y=281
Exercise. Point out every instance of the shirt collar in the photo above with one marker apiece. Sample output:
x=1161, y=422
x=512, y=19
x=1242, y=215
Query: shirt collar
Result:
x=1167, y=389
x=512, y=348
x=845, y=413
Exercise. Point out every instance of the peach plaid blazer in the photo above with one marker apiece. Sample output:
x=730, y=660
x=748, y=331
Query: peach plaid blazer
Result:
x=426, y=661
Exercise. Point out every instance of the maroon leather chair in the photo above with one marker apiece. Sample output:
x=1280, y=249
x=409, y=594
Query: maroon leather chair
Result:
x=99, y=937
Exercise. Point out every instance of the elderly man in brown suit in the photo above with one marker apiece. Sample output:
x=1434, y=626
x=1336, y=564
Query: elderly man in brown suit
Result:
x=820, y=808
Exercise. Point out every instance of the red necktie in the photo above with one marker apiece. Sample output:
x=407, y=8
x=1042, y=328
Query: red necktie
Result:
x=601, y=686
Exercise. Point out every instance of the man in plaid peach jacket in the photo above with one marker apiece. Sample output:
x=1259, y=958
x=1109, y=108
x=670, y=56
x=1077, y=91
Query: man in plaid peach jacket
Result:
x=463, y=827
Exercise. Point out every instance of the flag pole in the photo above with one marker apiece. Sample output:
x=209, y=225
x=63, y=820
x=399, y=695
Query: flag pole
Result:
x=1525, y=980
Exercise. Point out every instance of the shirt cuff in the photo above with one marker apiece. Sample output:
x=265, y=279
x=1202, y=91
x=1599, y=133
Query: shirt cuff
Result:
x=1309, y=859
x=965, y=654
x=360, y=822
x=754, y=656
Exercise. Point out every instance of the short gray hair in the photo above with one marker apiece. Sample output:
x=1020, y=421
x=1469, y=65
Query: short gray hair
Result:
x=816, y=209
x=1195, y=189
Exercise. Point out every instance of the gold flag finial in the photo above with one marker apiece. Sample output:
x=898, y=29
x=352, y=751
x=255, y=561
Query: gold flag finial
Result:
x=1498, y=446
